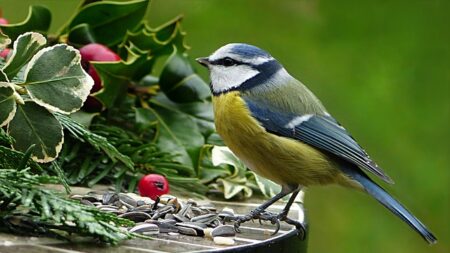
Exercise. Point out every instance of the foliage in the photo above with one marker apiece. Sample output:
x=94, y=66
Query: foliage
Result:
x=231, y=176
x=27, y=208
x=43, y=81
x=150, y=121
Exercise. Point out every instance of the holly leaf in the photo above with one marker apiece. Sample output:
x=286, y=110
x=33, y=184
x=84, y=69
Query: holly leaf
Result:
x=110, y=20
x=179, y=81
x=116, y=76
x=4, y=40
x=33, y=124
x=7, y=103
x=38, y=20
x=55, y=79
x=200, y=112
x=178, y=134
x=81, y=34
x=24, y=48
x=158, y=41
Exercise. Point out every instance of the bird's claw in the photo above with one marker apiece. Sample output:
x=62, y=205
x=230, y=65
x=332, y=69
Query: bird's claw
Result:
x=273, y=218
x=241, y=219
x=301, y=229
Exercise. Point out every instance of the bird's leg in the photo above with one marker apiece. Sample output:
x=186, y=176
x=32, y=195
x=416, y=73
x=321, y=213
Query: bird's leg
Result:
x=257, y=212
x=282, y=216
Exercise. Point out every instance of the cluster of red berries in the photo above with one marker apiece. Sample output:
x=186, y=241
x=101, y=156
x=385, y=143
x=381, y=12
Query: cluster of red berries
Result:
x=100, y=53
x=152, y=185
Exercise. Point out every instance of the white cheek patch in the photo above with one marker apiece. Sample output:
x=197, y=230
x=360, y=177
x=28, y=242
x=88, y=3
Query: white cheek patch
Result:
x=226, y=78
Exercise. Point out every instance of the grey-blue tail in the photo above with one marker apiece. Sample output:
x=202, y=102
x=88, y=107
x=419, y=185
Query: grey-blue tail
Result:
x=393, y=205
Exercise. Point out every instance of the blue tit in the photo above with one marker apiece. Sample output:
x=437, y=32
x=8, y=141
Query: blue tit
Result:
x=281, y=131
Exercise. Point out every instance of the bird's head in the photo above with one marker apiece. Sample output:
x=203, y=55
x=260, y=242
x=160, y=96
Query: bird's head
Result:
x=239, y=66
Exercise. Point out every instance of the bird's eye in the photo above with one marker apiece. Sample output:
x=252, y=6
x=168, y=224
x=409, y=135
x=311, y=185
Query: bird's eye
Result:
x=227, y=62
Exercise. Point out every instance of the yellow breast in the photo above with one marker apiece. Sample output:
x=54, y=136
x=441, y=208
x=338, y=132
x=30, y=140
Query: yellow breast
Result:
x=283, y=160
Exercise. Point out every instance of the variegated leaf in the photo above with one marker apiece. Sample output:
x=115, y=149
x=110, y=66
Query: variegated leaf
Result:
x=7, y=103
x=33, y=124
x=55, y=79
x=24, y=48
x=4, y=40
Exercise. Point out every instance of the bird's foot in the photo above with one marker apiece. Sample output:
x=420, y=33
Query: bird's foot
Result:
x=273, y=218
x=254, y=214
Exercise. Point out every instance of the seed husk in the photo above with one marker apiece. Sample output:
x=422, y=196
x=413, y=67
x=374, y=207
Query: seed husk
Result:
x=205, y=218
x=109, y=197
x=187, y=231
x=224, y=230
x=145, y=228
x=127, y=200
x=136, y=216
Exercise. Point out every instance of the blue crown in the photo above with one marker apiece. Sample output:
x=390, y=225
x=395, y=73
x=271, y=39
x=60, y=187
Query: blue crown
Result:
x=248, y=51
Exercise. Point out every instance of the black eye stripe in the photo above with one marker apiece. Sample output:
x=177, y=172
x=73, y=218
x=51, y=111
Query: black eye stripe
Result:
x=226, y=61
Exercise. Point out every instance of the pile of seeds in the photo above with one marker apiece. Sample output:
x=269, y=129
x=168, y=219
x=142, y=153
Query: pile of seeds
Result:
x=165, y=215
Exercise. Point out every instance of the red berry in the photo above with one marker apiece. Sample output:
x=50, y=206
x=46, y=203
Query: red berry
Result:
x=98, y=52
x=95, y=52
x=153, y=185
x=3, y=21
x=4, y=53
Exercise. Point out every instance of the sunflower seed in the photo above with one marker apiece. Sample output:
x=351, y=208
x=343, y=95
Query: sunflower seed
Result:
x=109, y=197
x=180, y=218
x=86, y=202
x=187, y=231
x=162, y=211
x=76, y=197
x=90, y=198
x=227, y=214
x=127, y=200
x=135, y=216
x=206, y=218
x=224, y=230
x=145, y=228
x=144, y=208
x=195, y=225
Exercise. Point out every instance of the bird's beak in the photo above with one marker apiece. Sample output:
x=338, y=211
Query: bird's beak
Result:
x=203, y=61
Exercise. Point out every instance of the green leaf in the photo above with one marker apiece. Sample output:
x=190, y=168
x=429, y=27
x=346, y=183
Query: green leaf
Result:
x=81, y=34
x=83, y=118
x=179, y=82
x=231, y=189
x=223, y=155
x=201, y=112
x=24, y=48
x=109, y=21
x=4, y=40
x=267, y=187
x=158, y=41
x=3, y=77
x=55, y=79
x=116, y=76
x=33, y=124
x=38, y=20
x=179, y=134
x=7, y=103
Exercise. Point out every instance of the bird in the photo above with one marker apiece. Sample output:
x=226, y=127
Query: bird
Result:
x=280, y=130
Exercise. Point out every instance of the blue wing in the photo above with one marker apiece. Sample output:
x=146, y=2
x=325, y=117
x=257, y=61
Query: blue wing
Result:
x=320, y=131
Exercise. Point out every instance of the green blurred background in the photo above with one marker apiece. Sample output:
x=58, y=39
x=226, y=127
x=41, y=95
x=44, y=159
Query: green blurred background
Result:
x=382, y=68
